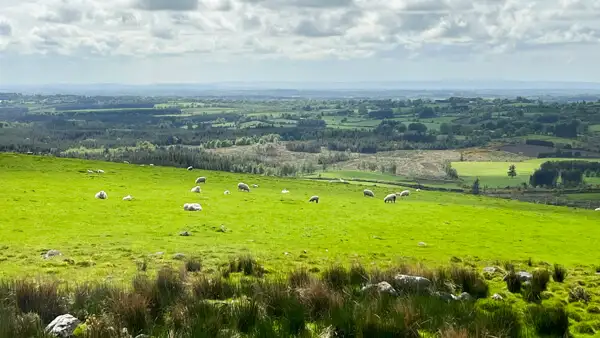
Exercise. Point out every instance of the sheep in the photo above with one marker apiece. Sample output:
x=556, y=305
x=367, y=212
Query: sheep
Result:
x=285, y=191
x=196, y=189
x=597, y=209
x=101, y=195
x=368, y=193
x=126, y=162
x=403, y=193
x=127, y=198
x=152, y=165
x=255, y=186
x=243, y=187
x=390, y=198
x=314, y=199
x=226, y=192
x=418, y=190
x=201, y=180
x=100, y=171
x=90, y=171
x=190, y=168
x=192, y=207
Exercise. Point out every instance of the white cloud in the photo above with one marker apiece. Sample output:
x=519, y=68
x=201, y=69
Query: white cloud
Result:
x=220, y=30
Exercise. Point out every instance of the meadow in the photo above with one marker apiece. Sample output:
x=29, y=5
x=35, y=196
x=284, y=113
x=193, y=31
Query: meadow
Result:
x=495, y=174
x=48, y=203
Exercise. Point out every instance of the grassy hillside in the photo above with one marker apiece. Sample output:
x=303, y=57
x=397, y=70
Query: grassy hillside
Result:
x=495, y=174
x=48, y=203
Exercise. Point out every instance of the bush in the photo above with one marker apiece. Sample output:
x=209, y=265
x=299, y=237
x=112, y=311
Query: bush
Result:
x=498, y=319
x=336, y=277
x=470, y=281
x=43, y=299
x=540, y=279
x=299, y=278
x=579, y=294
x=549, y=320
x=559, y=273
x=193, y=265
x=245, y=315
x=318, y=299
x=513, y=282
x=90, y=299
x=358, y=274
x=131, y=310
x=247, y=265
x=216, y=288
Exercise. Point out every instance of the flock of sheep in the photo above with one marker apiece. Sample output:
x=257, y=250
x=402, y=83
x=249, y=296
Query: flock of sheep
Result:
x=391, y=198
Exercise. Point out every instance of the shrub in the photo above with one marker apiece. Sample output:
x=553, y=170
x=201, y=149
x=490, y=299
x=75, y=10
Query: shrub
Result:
x=90, y=299
x=43, y=299
x=559, y=273
x=549, y=320
x=540, y=279
x=212, y=288
x=513, y=282
x=131, y=311
x=199, y=319
x=245, y=315
x=299, y=278
x=358, y=274
x=318, y=299
x=336, y=277
x=579, y=294
x=247, y=265
x=193, y=265
x=498, y=319
x=470, y=281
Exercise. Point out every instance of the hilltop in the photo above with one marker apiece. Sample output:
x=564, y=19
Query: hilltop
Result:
x=48, y=203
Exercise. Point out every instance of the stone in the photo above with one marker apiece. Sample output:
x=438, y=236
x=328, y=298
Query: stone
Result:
x=413, y=283
x=465, y=297
x=52, y=253
x=381, y=287
x=448, y=297
x=184, y=233
x=524, y=276
x=422, y=244
x=178, y=256
x=63, y=326
x=497, y=297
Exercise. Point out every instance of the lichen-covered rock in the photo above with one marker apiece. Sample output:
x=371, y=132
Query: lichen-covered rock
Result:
x=63, y=326
x=382, y=287
x=411, y=283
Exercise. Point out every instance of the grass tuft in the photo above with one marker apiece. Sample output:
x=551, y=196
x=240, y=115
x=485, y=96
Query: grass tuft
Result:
x=559, y=273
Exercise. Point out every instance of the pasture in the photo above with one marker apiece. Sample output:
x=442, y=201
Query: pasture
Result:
x=48, y=203
x=495, y=174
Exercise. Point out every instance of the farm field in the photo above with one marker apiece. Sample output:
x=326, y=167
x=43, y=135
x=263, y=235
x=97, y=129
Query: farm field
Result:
x=495, y=174
x=48, y=203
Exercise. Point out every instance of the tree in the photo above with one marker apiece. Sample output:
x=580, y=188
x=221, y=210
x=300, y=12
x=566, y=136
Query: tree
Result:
x=475, y=187
x=512, y=171
x=418, y=127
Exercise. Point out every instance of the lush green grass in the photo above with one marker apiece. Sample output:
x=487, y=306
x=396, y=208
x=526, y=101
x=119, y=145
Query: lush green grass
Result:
x=48, y=203
x=495, y=174
x=595, y=128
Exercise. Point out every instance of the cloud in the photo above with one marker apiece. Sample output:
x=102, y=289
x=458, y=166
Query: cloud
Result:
x=166, y=5
x=298, y=29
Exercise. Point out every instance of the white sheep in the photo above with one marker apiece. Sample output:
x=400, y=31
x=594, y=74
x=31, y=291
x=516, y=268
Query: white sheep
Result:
x=285, y=191
x=418, y=190
x=255, y=186
x=196, y=189
x=597, y=209
x=192, y=207
x=404, y=193
x=314, y=199
x=101, y=195
x=90, y=171
x=126, y=162
x=100, y=171
x=243, y=187
x=201, y=180
x=390, y=198
x=128, y=198
x=368, y=193
x=152, y=165
x=190, y=168
x=226, y=192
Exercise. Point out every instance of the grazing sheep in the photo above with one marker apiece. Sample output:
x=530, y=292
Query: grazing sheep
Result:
x=243, y=187
x=90, y=171
x=196, y=189
x=390, y=198
x=127, y=198
x=152, y=165
x=192, y=207
x=314, y=199
x=255, y=186
x=126, y=162
x=597, y=209
x=368, y=193
x=201, y=180
x=418, y=190
x=285, y=191
x=404, y=193
x=101, y=195
x=100, y=171
x=226, y=192
x=190, y=168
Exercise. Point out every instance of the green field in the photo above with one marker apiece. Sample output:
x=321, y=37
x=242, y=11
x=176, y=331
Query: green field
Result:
x=49, y=203
x=378, y=176
x=595, y=128
x=495, y=174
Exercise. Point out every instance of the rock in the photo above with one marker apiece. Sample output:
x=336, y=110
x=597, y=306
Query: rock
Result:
x=178, y=256
x=63, y=326
x=305, y=251
x=448, y=297
x=412, y=283
x=422, y=244
x=465, y=297
x=524, y=276
x=52, y=253
x=381, y=287
x=489, y=269
x=497, y=297
x=184, y=233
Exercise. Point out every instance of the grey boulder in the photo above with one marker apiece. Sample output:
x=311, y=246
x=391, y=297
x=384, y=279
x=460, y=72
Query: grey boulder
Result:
x=382, y=287
x=63, y=326
x=412, y=283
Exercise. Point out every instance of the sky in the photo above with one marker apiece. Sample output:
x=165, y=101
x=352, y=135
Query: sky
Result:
x=203, y=41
